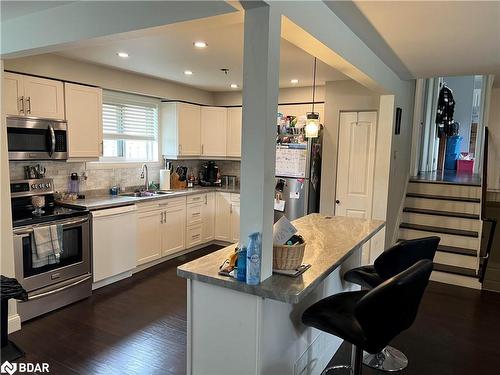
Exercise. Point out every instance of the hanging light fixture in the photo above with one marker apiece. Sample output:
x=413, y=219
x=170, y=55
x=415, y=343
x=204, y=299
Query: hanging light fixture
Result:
x=312, y=121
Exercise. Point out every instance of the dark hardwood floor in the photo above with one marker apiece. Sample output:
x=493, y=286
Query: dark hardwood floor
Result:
x=138, y=326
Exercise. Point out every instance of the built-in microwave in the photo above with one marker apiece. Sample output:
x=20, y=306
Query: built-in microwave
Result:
x=39, y=139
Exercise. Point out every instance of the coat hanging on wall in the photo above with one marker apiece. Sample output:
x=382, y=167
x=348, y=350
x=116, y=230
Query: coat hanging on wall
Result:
x=445, y=109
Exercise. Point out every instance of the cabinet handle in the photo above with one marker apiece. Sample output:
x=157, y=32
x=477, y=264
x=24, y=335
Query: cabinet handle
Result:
x=180, y=149
x=196, y=214
x=206, y=200
x=28, y=102
x=202, y=148
x=195, y=236
x=161, y=217
x=164, y=216
x=21, y=101
x=231, y=208
x=101, y=152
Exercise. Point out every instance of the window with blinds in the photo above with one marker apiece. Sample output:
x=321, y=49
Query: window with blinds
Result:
x=130, y=128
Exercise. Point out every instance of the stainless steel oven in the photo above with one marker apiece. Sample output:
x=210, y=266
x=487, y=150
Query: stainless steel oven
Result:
x=54, y=285
x=38, y=139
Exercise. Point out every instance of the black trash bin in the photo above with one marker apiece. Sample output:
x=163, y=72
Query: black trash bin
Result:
x=10, y=288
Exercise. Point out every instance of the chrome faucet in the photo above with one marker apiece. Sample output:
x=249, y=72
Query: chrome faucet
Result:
x=144, y=174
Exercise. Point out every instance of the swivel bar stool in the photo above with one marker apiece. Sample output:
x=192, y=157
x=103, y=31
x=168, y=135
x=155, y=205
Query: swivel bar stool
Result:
x=391, y=262
x=370, y=319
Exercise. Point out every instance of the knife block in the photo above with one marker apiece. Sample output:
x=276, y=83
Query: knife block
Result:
x=175, y=183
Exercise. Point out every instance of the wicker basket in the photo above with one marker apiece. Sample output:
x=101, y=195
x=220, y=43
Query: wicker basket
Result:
x=288, y=257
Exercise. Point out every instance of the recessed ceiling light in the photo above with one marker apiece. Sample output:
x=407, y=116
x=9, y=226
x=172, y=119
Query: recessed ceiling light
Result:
x=294, y=81
x=123, y=55
x=200, y=44
x=234, y=86
x=188, y=72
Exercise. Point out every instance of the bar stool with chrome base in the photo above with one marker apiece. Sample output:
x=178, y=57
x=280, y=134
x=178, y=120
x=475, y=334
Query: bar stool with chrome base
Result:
x=391, y=262
x=370, y=319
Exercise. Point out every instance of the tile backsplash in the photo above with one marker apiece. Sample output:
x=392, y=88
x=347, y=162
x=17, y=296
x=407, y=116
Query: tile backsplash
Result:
x=104, y=178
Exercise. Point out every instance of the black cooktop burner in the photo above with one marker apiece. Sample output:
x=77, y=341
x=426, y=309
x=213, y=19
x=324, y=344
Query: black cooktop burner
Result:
x=24, y=216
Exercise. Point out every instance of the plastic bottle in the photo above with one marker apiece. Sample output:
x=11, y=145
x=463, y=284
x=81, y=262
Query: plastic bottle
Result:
x=254, y=252
x=241, y=265
x=74, y=184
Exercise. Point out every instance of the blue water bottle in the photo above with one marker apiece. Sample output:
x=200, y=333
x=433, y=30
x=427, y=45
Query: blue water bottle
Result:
x=254, y=251
x=241, y=265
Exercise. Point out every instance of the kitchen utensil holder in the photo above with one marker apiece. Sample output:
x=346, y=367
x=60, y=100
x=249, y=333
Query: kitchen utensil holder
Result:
x=288, y=257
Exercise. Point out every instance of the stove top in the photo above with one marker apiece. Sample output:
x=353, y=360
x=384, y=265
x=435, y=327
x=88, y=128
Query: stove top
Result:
x=25, y=216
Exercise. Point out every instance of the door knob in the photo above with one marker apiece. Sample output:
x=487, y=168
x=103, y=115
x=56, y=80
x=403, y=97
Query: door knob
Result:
x=337, y=201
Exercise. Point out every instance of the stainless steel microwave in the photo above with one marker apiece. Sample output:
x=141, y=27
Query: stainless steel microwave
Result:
x=39, y=139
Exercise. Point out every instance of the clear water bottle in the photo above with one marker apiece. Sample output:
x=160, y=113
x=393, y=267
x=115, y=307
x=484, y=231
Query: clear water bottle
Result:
x=74, y=184
x=254, y=253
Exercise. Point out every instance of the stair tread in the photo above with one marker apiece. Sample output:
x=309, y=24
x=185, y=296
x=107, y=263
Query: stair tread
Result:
x=457, y=250
x=430, y=228
x=443, y=197
x=427, y=211
x=453, y=183
x=455, y=269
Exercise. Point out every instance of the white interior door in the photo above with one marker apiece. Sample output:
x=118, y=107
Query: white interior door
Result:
x=356, y=161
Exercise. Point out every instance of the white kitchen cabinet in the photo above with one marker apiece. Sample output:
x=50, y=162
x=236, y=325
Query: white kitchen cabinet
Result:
x=43, y=97
x=213, y=131
x=149, y=225
x=174, y=226
x=180, y=129
x=193, y=236
x=84, y=116
x=13, y=94
x=208, y=218
x=234, y=128
x=33, y=96
x=227, y=217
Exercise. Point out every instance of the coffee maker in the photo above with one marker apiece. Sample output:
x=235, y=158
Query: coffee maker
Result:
x=209, y=174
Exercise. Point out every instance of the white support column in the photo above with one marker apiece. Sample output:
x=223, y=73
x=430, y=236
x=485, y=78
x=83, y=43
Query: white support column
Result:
x=260, y=103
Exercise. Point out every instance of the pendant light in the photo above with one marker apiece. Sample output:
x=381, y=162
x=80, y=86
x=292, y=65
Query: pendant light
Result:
x=312, y=121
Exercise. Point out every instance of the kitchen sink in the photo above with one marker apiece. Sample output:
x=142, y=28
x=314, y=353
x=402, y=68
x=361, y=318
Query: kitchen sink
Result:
x=141, y=194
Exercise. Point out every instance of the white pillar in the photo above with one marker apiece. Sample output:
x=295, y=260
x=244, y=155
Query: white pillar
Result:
x=260, y=103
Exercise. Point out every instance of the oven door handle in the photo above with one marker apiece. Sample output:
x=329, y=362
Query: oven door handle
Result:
x=52, y=141
x=25, y=231
x=41, y=295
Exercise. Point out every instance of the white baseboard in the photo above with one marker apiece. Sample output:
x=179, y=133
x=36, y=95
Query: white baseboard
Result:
x=112, y=279
x=13, y=323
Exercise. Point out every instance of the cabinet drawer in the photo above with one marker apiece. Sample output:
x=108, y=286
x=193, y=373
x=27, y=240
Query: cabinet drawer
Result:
x=147, y=206
x=194, y=214
x=196, y=198
x=193, y=236
x=235, y=197
x=172, y=202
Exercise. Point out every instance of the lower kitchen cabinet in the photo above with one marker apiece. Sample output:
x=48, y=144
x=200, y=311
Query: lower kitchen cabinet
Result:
x=227, y=217
x=149, y=225
x=173, y=228
x=208, y=218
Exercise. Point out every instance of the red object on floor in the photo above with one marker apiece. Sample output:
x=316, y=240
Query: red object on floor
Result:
x=465, y=166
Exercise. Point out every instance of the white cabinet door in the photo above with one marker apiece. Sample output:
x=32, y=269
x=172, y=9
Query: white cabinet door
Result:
x=189, y=130
x=235, y=222
x=44, y=97
x=174, y=230
x=193, y=236
x=223, y=216
x=149, y=236
x=194, y=213
x=13, y=94
x=234, y=127
x=213, y=131
x=84, y=116
x=208, y=218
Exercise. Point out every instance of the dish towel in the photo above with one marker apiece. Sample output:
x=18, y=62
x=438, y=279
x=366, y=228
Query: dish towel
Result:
x=48, y=245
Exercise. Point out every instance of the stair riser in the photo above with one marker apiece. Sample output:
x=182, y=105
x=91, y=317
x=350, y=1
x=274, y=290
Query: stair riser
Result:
x=442, y=221
x=445, y=189
x=443, y=205
x=446, y=239
x=448, y=278
x=456, y=260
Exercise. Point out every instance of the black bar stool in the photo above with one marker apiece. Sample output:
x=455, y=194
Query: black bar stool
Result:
x=370, y=319
x=394, y=260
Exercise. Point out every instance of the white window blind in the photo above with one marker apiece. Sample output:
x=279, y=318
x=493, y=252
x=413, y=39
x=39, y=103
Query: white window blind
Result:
x=129, y=121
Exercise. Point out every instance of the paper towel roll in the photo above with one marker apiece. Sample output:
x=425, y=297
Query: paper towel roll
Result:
x=164, y=179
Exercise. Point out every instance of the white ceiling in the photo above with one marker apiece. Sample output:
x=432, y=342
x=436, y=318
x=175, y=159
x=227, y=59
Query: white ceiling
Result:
x=165, y=52
x=437, y=38
x=15, y=9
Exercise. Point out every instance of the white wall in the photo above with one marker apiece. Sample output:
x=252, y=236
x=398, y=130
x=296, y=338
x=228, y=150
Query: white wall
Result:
x=463, y=90
x=494, y=141
x=58, y=67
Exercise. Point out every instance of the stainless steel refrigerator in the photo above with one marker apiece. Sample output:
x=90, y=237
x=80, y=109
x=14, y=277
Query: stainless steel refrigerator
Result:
x=298, y=178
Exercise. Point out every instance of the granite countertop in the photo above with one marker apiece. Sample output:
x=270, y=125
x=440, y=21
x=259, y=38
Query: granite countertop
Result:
x=109, y=201
x=329, y=242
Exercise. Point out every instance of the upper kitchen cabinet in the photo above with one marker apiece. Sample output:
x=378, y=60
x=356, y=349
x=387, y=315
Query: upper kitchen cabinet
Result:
x=84, y=116
x=181, y=130
x=14, y=94
x=234, y=123
x=33, y=96
x=213, y=131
